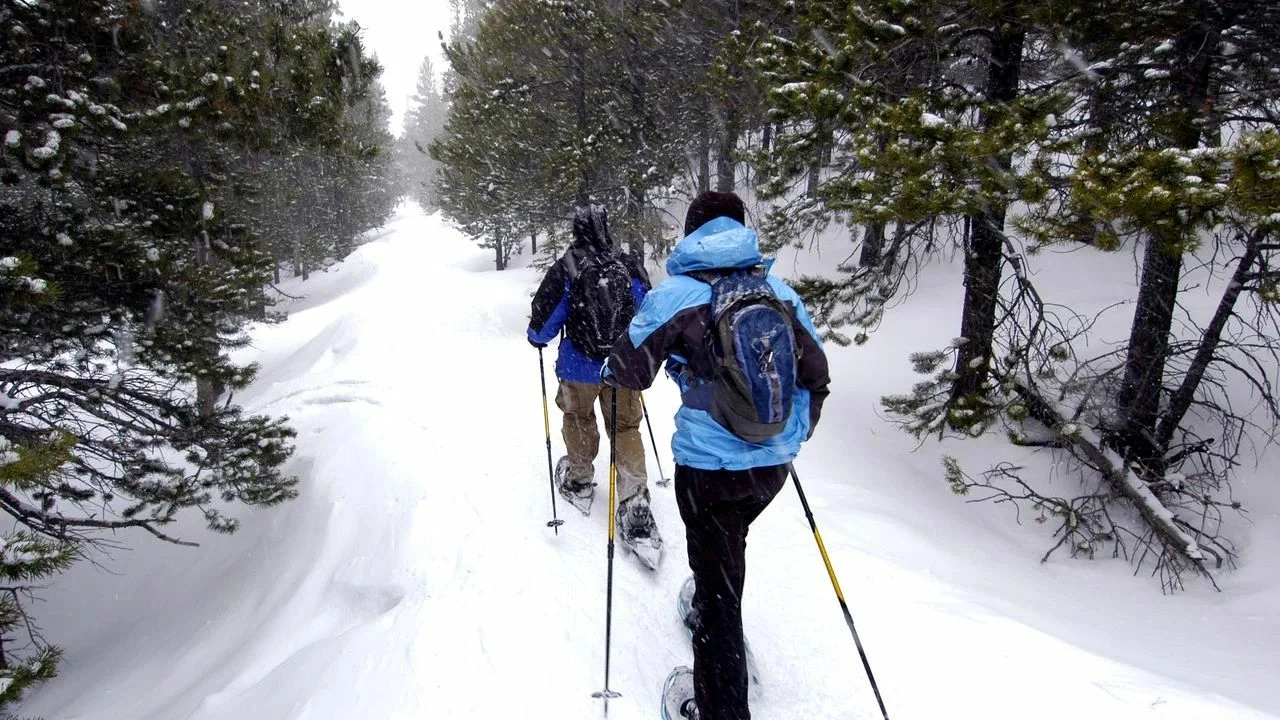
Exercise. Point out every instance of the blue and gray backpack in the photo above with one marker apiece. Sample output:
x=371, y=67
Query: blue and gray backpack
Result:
x=754, y=353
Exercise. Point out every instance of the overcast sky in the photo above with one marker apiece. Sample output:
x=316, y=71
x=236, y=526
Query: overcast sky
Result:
x=400, y=33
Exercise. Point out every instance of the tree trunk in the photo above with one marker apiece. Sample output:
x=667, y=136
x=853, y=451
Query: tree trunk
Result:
x=873, y=235
x=728, y=143
x=207, y=392
x=1123, y=480
x=872, y=245
x=704, y=158
x=637, y=91
x=635, y=234
x=580, y=111
x=982, y=268
x=730, y=113
x=1181, y=400
x=815, y=173
x=1148, y=349
x=1139, y=396
x=533, y=242
x=984, y=259
x=499, y=257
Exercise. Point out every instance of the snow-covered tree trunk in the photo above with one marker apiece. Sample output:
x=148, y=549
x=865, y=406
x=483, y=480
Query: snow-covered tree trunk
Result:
x=637, y=96
x=872, y=245
x=1182, y=398
x=1141, y=392
x=702, y=148
x=983, y=257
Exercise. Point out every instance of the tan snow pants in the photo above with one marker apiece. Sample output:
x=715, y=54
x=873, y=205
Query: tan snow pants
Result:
x=582, y=435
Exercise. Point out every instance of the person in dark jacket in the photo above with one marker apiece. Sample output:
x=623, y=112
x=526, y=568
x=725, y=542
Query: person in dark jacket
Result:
x=580, y=387
x=722, y=481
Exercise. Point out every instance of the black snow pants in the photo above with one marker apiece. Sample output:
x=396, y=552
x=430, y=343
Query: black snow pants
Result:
x=717, y=507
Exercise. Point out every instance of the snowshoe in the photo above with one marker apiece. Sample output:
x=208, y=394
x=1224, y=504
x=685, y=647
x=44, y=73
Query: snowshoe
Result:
x=638, y=532
x=677, y=695
x=688, y=616
x=578, y=495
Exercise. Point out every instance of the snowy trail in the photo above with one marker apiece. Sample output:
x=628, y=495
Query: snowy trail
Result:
x=415, y=577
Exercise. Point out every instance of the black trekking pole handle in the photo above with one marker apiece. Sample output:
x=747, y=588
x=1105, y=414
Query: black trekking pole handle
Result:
x=555, y=521
x=844, y=607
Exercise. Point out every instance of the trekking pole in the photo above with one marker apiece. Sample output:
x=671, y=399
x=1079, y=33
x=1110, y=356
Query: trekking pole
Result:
x=844, y=607
x=662, y=477
x=555, y=522
x=606, y=694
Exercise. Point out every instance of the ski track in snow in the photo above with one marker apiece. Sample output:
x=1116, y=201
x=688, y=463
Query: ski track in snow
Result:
x=415, y=576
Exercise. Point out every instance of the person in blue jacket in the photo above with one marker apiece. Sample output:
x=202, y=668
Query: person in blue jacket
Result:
x=722, y=481
x=557, y=304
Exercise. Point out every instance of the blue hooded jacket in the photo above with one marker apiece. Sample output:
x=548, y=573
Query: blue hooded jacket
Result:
x=672, y=324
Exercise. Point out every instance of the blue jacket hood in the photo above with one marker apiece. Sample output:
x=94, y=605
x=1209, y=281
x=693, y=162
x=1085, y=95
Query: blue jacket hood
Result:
x=721, y=243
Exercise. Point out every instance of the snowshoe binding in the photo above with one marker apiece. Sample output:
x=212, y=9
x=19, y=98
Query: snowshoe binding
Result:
x=637, y=530
x=577, y=494
x=677, y=695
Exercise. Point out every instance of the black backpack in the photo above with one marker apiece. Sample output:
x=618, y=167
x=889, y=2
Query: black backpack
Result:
x=754, y=355
x=600, y=303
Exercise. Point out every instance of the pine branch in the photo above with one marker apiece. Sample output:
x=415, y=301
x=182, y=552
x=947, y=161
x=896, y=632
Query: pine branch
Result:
x=56, y=525
x=1126, y=481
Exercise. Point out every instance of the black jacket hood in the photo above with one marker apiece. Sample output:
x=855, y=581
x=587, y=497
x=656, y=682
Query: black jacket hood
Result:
x=591, y=228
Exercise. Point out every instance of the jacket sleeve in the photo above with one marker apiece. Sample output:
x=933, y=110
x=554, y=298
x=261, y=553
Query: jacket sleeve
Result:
x=550, y=307
x=812, y=372
x=633, y=366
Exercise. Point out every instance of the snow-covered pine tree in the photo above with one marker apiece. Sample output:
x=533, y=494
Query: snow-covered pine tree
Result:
x=549, y=109
x=529, y=132
x=840, y=85
x=423, y=123
x=646, y=99
x=28, y=559
x=914, y=120
x=135, y=243
x=1180, y=161
x=1103, y=126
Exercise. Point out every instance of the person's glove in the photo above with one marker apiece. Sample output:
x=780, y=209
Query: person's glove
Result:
x=607, y=377
x=537, y=344
x=679, y=373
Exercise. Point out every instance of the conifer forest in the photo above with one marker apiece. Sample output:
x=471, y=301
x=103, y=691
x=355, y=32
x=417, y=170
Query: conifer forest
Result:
x=166, y=164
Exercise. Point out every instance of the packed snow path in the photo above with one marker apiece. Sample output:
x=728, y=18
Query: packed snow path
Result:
x=415, y=576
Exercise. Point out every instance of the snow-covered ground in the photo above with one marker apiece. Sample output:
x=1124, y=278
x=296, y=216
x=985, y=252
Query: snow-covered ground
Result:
x=415, y=576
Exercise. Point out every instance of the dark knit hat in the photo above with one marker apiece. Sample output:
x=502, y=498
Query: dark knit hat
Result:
x=710, y=205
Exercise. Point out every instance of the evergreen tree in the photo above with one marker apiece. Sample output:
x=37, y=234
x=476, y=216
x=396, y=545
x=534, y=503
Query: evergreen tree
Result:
x=1156, y=129
x=139, y=226
x=548, y=110
x=423, y=123
x=914, y=116
x=528, y=120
